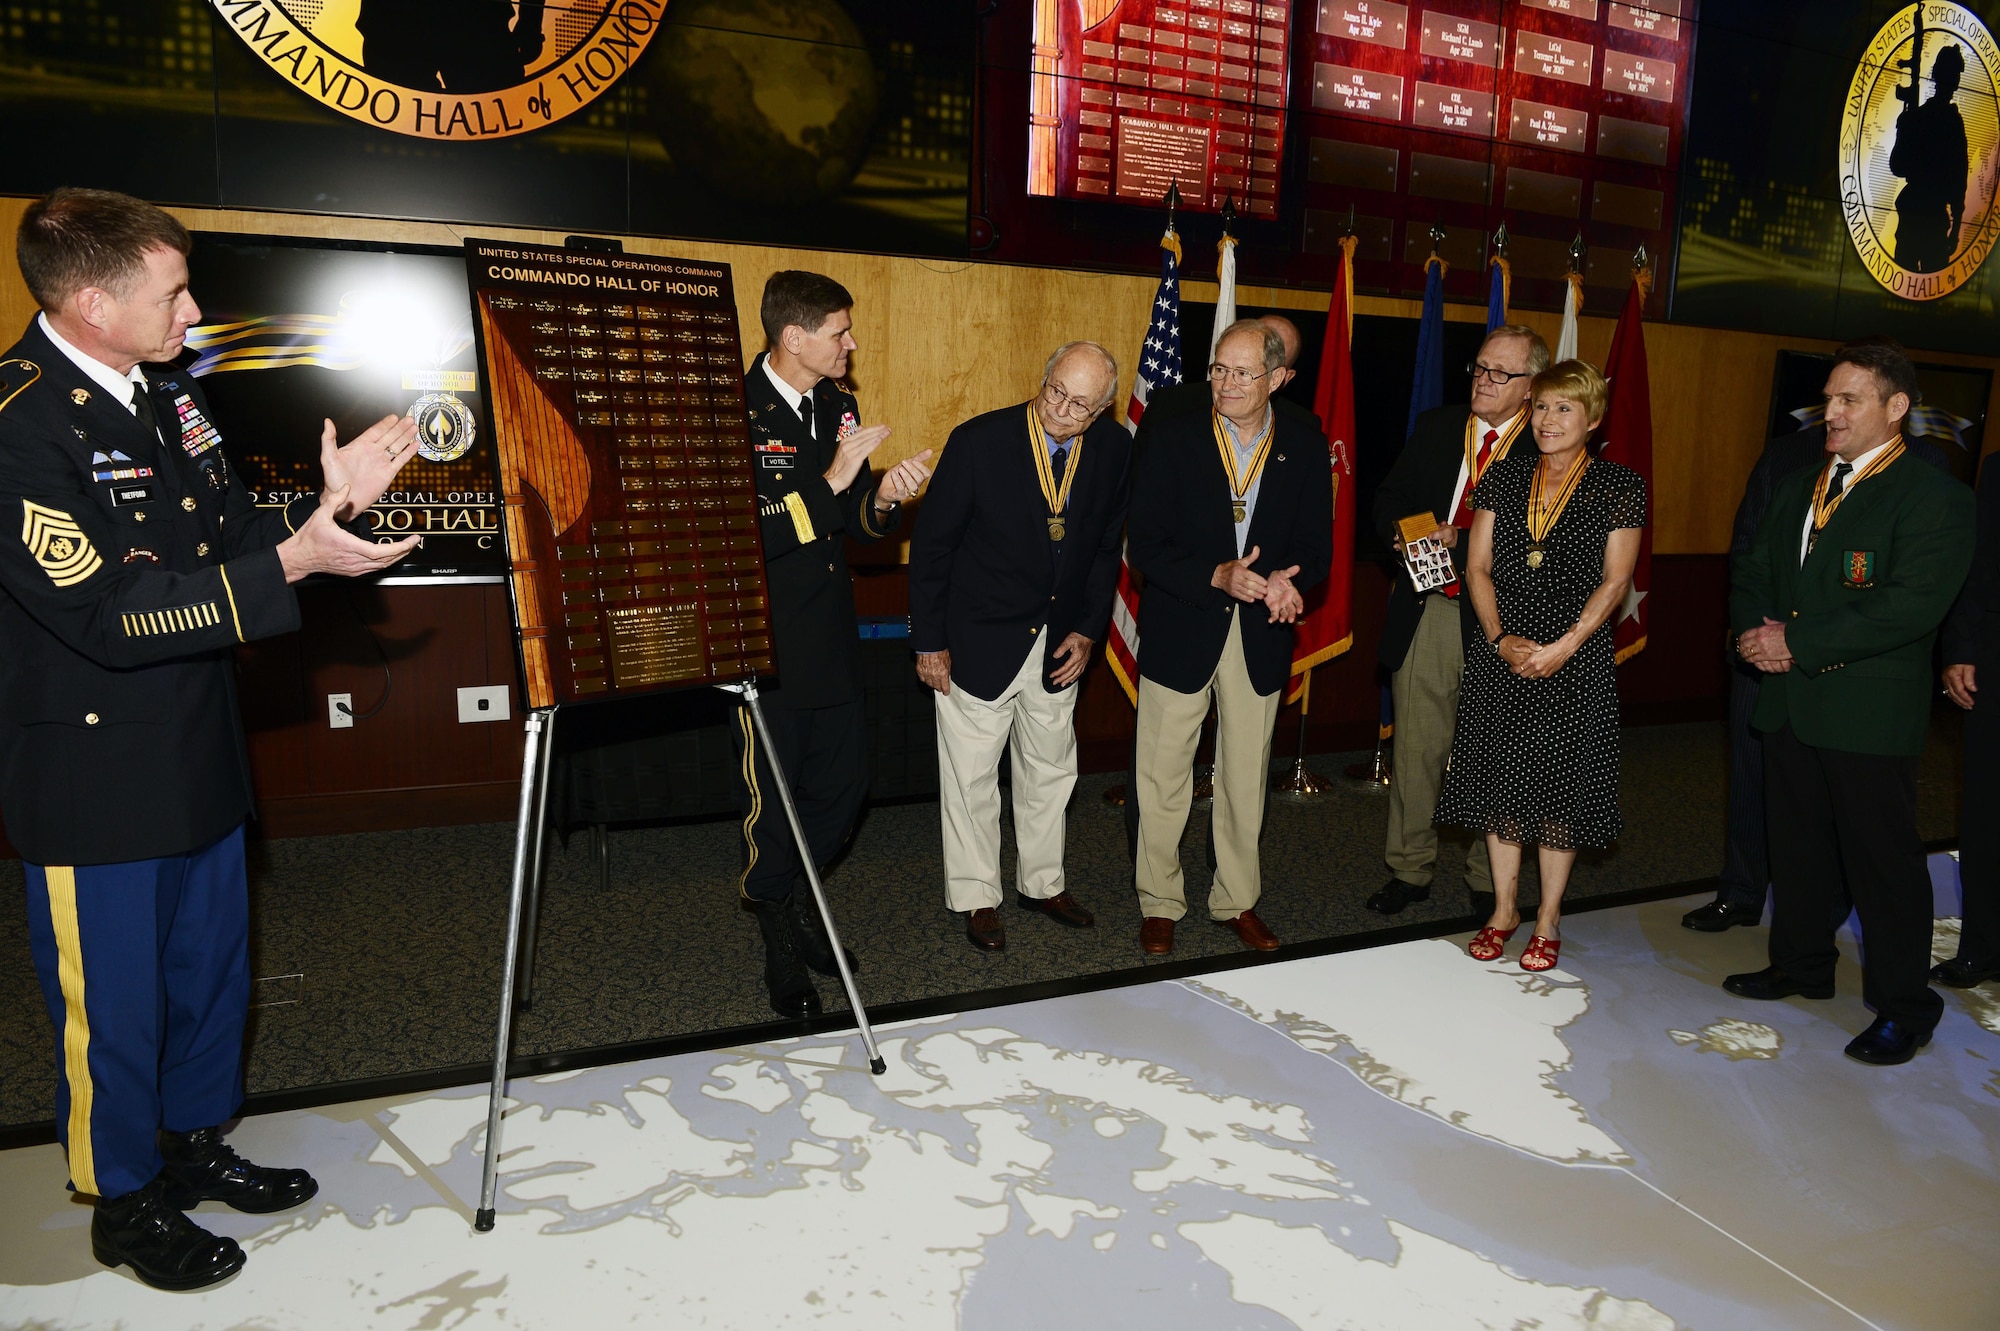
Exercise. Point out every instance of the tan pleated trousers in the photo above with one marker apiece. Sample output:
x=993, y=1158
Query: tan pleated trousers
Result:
x=971, y=733
x=1426, y=696
x=1163, y=773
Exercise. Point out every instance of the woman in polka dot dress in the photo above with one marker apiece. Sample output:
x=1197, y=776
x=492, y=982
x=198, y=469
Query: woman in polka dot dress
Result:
x=1534, y=759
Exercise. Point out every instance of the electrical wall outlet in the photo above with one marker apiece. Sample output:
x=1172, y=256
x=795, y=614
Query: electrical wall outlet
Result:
x=486, y=703
x=340, y=711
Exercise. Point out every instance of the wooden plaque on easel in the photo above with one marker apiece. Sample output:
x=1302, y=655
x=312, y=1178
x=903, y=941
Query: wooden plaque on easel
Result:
x=616, y=391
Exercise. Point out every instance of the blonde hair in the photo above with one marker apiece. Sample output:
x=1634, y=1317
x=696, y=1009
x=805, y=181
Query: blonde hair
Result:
x=1575, y=381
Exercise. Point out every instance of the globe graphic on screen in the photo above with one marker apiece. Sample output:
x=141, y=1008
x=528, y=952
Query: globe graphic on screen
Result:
x=767, y=101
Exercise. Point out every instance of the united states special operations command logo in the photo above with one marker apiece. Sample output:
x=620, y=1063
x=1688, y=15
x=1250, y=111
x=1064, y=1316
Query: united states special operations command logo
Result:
x=464, y=72
x=444, y=427
x=1920, y=151
x=57, y=544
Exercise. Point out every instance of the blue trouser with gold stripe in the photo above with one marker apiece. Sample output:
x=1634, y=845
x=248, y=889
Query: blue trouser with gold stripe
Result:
x=145, y=967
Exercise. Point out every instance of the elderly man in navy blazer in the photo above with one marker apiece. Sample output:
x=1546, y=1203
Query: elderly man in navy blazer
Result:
x=1232, y=521
x=1012, y=569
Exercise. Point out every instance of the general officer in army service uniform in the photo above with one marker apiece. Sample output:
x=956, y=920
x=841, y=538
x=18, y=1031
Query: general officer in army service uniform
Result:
x=815, y=492
x=124, y=780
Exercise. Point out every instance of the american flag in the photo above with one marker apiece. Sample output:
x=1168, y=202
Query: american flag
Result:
x=1159, y=367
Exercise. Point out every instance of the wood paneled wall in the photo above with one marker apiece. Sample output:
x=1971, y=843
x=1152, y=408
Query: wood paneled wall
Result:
x=943, y=341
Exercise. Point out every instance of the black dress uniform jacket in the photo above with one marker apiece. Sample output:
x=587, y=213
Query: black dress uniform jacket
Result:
x=1422, y=481
x=805, y=529
x=140, y=564
x=1180, y=531
x=1972, y=633
x=985, y=579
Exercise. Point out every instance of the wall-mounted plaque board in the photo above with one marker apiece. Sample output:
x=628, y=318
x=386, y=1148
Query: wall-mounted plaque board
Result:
x=1130, y=96
x=616, y=392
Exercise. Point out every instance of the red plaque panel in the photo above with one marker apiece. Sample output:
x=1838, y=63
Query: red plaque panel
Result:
x=1447, y=37
x=1545, y=126
x=1357, y=92
x=1552, y=57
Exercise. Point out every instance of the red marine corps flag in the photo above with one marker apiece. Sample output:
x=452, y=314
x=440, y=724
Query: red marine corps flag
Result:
x=1326, y=629
x=1159, y=367
x=1628, y=441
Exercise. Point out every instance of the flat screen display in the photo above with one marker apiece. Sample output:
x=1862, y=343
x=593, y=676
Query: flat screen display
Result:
x=294, y=333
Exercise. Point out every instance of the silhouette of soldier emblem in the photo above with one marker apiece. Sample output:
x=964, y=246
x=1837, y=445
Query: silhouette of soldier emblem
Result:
x=1931, y=157
x=456, y=46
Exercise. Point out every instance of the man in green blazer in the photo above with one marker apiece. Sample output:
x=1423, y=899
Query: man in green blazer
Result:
x=1839, y=601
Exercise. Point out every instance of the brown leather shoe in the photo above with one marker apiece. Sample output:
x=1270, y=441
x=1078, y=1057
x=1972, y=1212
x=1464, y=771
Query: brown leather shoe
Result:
x=1252, y=931
x=1156, y=936
x=984, y=930
x=1062, y=908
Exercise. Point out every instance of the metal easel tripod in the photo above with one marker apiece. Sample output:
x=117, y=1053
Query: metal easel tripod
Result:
x=529, y=840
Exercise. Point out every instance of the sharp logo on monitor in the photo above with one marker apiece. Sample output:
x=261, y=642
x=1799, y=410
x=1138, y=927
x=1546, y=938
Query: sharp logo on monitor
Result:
x=1920, y=151
x=482, y=69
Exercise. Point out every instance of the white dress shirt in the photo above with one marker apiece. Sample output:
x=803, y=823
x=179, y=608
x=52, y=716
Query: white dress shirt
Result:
x=123, y=388
x=792, y=397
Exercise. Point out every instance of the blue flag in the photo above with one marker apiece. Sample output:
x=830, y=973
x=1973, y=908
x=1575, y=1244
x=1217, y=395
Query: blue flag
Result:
x=1427, y=384
x=1496, y=297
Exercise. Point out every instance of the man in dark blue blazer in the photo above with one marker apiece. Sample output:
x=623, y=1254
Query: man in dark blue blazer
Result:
x=1012, y=569
x=1232, y=521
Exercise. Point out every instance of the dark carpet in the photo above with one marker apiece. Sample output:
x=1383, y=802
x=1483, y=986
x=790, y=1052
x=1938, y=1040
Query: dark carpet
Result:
x=396, y=938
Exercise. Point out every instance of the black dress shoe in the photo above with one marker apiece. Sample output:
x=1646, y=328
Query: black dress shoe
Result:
x=163, y=1247
x=1887, y=1043
x=1772, y=983
x=785, y=977
x=1716, y=916
x=1959, y=973
x=984, y=930
x=1062, y=908
x=1394, y=895
x=200, y=1167
x=815, y=947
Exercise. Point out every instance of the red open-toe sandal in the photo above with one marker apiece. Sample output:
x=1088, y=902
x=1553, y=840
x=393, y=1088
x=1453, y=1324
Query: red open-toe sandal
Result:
x=1541, y=954
x=1486, y=944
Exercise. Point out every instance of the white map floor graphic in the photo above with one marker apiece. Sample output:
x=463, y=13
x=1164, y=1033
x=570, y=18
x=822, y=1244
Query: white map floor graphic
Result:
x=1388, y=1140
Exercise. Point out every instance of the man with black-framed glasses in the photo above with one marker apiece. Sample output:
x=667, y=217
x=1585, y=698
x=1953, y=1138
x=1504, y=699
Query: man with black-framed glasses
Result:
x=1232, y=522
x=1013, y=565
x=1425, y=633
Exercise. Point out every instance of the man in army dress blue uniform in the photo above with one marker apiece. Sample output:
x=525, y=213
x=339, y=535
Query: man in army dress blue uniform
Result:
x=815, y=492
x=124, y=779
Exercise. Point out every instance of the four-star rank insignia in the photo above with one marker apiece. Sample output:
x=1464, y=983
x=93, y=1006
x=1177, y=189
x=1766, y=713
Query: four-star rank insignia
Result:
x=57, y=544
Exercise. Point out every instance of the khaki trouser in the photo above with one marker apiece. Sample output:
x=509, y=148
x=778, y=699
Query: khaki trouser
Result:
x=971, y=734
x=1426, y=694
x=1163, y=772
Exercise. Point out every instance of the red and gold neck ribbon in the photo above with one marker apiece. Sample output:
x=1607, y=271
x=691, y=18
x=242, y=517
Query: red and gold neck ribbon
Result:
x=1823, y=508
x=1057, y=496
x=1544, y=512
x=1508, y=434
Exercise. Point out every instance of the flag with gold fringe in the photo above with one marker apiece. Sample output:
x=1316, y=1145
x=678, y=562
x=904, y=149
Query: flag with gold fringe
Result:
x=1326, y=629
x=1628, y=441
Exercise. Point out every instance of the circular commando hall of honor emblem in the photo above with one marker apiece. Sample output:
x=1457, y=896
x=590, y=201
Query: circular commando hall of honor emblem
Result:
x=444, y=427
x=478, y=69
x=1920, y=151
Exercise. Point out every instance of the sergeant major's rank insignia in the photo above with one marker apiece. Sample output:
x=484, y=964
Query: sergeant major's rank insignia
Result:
x=57, y=544
x=1858, y=568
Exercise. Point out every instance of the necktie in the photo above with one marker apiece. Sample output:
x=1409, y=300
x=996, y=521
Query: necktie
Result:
x=1463, y=518
x=1059, y=462
x=1834, y=486
x=806, y=413
x=142, y=409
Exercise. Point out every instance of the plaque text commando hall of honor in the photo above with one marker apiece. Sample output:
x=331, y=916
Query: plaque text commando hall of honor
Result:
x=630, y=512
